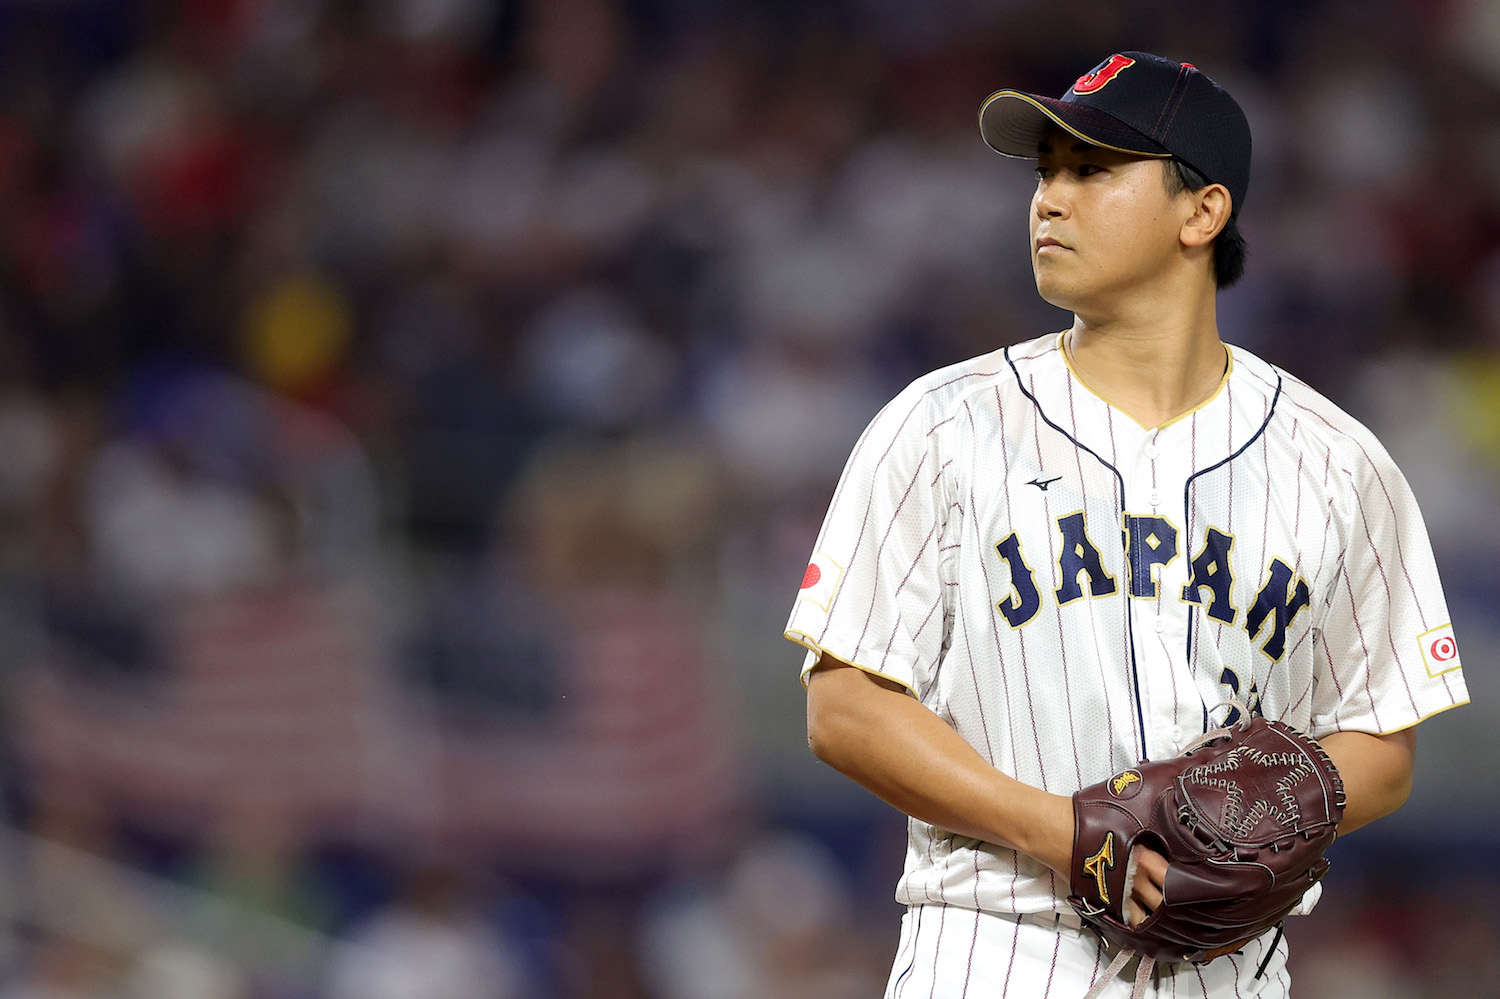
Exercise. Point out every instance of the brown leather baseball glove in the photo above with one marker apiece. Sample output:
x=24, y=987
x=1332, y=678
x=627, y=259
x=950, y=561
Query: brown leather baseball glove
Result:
x=1243, y=819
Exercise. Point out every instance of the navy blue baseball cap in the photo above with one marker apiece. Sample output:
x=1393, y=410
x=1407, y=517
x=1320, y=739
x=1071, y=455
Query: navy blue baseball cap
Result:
x=1139, y=103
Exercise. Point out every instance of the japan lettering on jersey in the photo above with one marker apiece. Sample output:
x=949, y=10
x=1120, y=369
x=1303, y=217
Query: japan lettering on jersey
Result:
x=1074, y=592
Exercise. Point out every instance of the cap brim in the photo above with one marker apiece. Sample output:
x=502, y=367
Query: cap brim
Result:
x=1014, y=123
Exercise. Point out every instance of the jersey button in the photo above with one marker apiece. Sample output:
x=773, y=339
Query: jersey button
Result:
x=1160, y=625
x=1152, y=451
x=1155, y=498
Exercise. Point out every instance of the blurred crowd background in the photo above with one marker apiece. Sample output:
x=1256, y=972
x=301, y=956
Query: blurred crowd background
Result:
x=415, y=417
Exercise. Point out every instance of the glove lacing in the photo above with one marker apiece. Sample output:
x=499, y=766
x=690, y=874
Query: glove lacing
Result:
x=1143, y=970
x=1235, y=704
x=1142, y=975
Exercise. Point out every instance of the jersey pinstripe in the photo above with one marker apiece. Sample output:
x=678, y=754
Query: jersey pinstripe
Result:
x=956, y=951
x=1074, y=592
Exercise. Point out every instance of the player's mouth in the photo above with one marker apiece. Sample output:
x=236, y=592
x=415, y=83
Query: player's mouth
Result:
x=1046, y=244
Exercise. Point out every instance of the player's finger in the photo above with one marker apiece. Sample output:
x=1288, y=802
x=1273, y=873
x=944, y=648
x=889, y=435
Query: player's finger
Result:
x=1146, y=889
x=1150, y=865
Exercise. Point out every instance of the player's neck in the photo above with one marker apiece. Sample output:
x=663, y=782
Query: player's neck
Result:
x=1153, y=368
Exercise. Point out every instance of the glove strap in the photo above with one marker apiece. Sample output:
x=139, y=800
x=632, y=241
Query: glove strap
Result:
x=1142, y=975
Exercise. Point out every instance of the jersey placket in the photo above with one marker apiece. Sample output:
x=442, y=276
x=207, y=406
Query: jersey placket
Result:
x=1153, y=532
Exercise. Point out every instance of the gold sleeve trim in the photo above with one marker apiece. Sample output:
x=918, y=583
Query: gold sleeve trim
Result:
x=802, y=639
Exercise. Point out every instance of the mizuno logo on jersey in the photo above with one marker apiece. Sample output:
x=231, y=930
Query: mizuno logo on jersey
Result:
x=1042, y=484
x=1149, y=544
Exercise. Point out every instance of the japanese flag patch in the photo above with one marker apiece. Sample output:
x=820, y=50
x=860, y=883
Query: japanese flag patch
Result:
x=821, y=581
x=1439, y=650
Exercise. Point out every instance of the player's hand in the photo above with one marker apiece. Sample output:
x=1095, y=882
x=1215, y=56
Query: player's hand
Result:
x=1147, y=891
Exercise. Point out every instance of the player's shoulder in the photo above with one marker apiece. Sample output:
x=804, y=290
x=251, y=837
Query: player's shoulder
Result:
x=943, y=389
x=1314, y=420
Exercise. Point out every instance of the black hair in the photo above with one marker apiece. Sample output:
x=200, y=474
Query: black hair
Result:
x=1229, y=245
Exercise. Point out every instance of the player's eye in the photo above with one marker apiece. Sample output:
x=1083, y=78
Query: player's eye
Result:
x=1088, y=169
x=1042, y=173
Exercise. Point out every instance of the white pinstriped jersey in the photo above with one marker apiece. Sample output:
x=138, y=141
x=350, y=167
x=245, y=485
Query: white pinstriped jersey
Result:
x=1074, y=592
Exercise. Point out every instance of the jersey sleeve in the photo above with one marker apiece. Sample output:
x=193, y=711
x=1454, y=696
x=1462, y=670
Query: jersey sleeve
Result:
x=1387, y=656
x=873, y=594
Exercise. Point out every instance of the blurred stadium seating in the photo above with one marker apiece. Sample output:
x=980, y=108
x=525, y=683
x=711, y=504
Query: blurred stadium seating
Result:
x=415, y=416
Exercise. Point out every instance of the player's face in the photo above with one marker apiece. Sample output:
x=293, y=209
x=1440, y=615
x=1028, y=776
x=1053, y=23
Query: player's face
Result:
x=1103, y=226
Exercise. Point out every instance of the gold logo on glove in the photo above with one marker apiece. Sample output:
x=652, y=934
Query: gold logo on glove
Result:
x=1099, y=864
x=1122, y=780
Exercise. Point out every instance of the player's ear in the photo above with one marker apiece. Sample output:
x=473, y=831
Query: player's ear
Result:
x=1211, y=207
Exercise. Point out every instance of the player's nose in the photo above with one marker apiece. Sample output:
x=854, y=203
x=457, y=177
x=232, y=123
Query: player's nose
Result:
x=1051, y=199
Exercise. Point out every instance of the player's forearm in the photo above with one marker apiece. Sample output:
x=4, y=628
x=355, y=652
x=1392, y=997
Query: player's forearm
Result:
x=1376, y=770
x=879, y=736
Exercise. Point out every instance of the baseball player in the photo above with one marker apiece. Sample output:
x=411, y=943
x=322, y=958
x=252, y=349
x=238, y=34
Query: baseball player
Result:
x=1050, y=562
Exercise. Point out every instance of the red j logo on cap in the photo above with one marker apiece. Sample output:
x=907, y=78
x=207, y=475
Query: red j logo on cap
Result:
x=1095, y=80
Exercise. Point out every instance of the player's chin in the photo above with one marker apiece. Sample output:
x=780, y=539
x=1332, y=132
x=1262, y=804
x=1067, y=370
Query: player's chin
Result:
x=1055, y=290
x=1067, y=285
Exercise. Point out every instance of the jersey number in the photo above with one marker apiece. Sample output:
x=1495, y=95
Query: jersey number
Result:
x=1251, y=700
